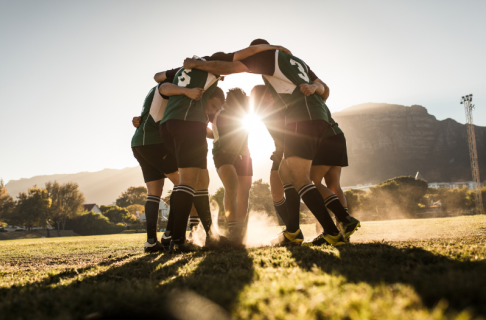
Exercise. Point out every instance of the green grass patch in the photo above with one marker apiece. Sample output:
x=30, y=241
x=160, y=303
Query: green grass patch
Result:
x=73, y=277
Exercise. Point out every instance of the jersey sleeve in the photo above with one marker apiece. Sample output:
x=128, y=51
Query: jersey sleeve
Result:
x=261, y=63
x=171, y=73
x=168, y=80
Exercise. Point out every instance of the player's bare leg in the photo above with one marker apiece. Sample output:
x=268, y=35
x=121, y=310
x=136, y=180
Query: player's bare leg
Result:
x=244, y=186
x=229, y=177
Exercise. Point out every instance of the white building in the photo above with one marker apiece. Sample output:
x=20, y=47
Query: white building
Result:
x=452, y=185
x=92, y=207
x=163, y=212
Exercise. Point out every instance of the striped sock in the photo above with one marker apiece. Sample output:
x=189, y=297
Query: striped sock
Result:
x=193, y=222
x=314, y=201
x=151, y=216
x=293, y=208
x=182, y=201
x=201, y=202
x=281, y=209
x=332, y=203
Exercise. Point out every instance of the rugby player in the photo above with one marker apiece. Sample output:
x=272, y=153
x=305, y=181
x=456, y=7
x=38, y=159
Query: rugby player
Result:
x=156, y=163
x=331, y=158
x=285, y=197
x=183, y=130
x=305, y=123
x=232, y=160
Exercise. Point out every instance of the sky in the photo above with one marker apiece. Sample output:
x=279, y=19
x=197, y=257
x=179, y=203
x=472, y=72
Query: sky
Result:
x=74, y=73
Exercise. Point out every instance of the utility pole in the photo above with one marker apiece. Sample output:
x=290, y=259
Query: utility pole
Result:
x=473, y=152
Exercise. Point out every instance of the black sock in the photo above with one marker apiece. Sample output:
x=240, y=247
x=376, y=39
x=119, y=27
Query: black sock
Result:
x=292, y=200
x=151, y=216
x=170, y=221
x=313, y=199
x=182, y=201
x=193, y=222
x=201, y=202
x=281, y=208
x=332, y=203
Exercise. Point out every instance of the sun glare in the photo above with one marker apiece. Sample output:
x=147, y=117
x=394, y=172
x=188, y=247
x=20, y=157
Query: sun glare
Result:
x=251, y=122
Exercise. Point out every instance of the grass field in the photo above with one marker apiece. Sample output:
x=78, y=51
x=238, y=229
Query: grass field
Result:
x=437, y=271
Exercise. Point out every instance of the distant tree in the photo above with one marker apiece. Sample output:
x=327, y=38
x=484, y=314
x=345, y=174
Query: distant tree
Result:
x=32, y=209
x=218, y=199
x=134, y=208
x=7, y=204
x=117, y=215
x=353, y=198
x=104, y=208
x=405, y=192
x=261, y=198
x=133, y=195
x=89, y=223
x=67, y=202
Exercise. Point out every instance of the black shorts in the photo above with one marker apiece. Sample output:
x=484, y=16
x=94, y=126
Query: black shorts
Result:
x=155, y=161
x=332, y=152
x=277, y=159
x=302, y=139
x=186, y=140
x=243, y=164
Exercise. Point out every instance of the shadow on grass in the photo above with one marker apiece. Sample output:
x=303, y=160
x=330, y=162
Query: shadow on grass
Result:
x=144, y=287
x=434, y=277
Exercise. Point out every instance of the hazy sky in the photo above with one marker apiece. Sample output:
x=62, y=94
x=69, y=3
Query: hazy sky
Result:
x=74, y=73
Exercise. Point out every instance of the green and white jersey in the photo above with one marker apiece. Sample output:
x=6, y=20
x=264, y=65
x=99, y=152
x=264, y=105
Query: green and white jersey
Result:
x=181, y=107
x=148, y=131
x=333, y=128
x=285, y=76
x=230, y=136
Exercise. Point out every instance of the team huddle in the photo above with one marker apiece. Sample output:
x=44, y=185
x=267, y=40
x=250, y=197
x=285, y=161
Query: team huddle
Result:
x=170, y=142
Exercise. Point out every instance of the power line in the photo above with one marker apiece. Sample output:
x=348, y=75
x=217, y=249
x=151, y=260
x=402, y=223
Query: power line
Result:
x=473, y=152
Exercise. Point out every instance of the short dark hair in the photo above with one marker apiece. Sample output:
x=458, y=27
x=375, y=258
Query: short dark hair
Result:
x=257, y=94
x=237, y=96
x=217, y=54
x=259, y=41
x=217, y=93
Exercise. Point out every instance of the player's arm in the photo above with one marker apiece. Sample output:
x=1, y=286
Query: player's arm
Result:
x=164, y=75
x=170, y=89
x=251, y=50
x=136, y=121
x=325, y=95
x=216, y=67
x=310, y=89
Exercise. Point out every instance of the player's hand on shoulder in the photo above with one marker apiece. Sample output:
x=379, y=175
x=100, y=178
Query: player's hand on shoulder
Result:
x=194, y=93
x=189, y=63
x=136, y=121
x=307, y=89
x=280, y=48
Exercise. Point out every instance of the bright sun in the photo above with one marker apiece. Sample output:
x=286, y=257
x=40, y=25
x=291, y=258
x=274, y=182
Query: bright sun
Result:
x=251, y=122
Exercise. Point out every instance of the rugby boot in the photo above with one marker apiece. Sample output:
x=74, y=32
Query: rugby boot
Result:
x=166, y=237
x=236, y=235
x=153, y=247
x=286, y=238
x=349, y=228
x=327, y=239
x=182, y=246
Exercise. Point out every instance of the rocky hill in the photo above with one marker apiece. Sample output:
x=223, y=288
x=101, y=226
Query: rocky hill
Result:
x=386, y=140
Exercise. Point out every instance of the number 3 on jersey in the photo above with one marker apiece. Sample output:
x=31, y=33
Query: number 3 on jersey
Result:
x=184, y=78
x=303, y=75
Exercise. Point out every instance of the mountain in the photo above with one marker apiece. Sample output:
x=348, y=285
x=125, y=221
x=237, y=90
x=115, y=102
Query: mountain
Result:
x=101, y=187
x=384, y=141
x=388, y=140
